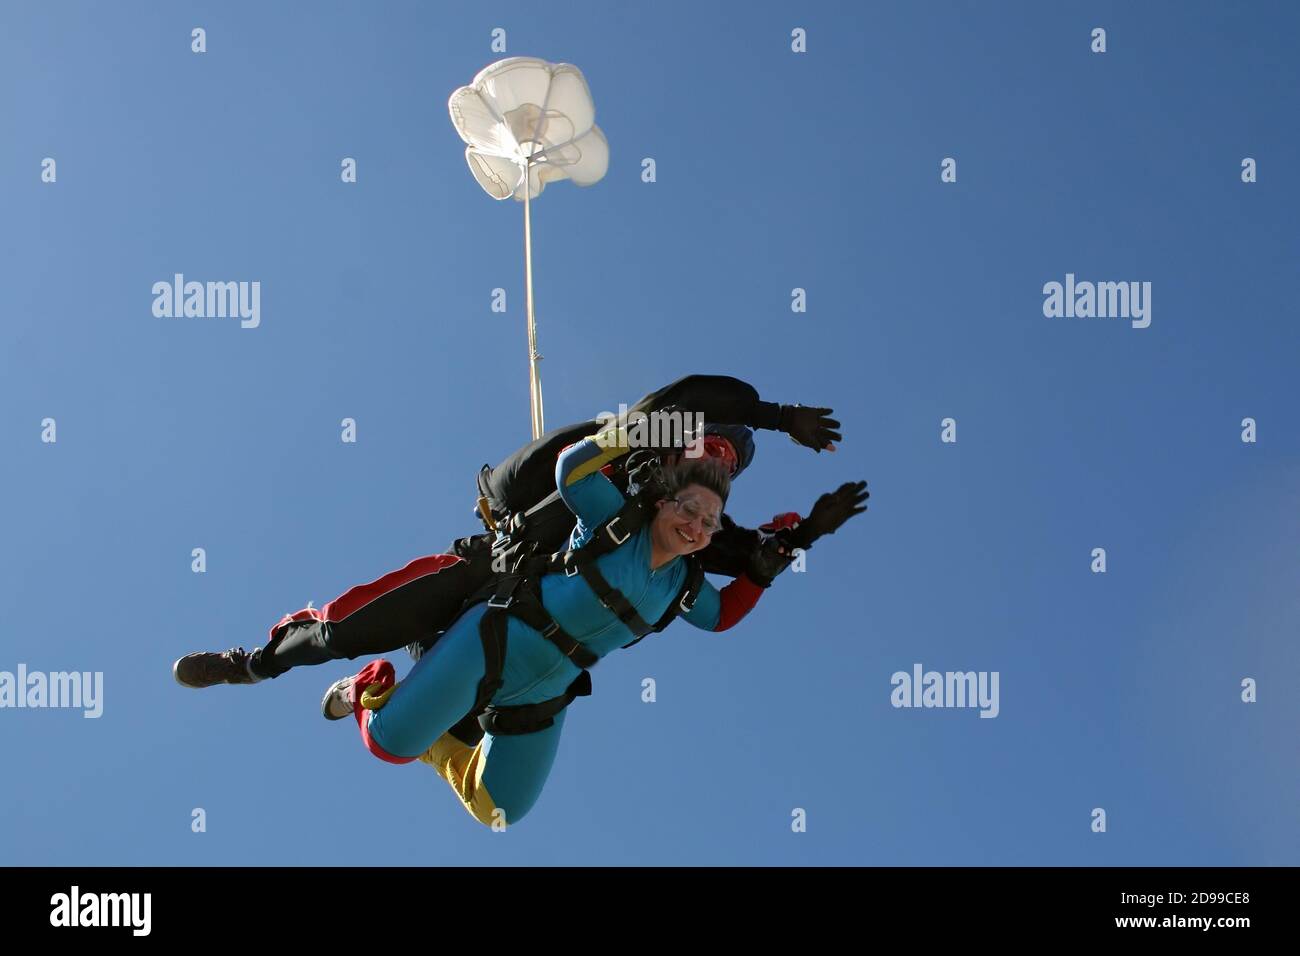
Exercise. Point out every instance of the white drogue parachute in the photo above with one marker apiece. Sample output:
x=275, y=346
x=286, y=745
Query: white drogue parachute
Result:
x=528, y=122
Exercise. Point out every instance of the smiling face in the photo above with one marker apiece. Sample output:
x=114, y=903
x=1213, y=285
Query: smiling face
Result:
x=682, y=527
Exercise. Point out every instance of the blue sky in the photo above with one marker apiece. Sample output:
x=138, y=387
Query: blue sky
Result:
x=775, y=170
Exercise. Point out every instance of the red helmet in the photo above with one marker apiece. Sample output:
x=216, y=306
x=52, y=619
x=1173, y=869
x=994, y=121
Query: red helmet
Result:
x=718, y=448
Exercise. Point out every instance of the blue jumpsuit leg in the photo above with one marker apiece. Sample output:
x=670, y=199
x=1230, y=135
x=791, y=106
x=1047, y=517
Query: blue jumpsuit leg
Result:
x=517, y=767
x=438, y=692
x=503, y=773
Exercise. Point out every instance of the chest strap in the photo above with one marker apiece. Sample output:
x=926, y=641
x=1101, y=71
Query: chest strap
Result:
x=615, y=601
x=685, y=599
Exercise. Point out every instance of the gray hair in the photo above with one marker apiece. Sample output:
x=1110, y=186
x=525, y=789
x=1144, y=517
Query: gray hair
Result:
x=705, y=472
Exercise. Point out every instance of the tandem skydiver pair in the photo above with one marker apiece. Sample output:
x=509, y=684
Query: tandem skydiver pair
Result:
x=409, y=607
x=514, y=660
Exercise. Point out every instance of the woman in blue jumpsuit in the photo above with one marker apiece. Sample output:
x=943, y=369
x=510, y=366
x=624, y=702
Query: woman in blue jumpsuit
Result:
x=501, y=778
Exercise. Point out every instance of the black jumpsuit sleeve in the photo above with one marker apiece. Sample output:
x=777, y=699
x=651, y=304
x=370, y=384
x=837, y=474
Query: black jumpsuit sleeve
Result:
x=729, y=549
x=719, y=398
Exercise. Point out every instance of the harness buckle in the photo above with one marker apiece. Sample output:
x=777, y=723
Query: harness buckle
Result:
x=504, y=595
x=613, y=535
x=687, y=602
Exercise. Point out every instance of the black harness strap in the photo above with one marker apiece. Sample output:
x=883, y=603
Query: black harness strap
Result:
x=607, y=536
x=615, y=601
x=518, y=594
x=684, y=601
x=492, y=632
x=514, y=596
x=530, y=718
x=517, y=597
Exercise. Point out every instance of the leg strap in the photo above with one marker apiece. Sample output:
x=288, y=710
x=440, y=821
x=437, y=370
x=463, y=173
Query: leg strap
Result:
x=530, y=718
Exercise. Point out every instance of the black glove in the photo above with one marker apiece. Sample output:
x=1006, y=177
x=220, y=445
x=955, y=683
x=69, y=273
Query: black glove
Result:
x=767, y=561
x=830, y=512
x=645, y=474
x=810, y=427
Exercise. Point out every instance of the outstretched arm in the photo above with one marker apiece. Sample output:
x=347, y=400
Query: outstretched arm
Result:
x=770, y=553
x=829, y=514
x=730, y=401
x=786, y=533
x=525, y=478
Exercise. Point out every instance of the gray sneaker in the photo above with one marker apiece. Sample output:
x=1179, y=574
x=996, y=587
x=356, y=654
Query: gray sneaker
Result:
x=337, y=702
x=207, y=668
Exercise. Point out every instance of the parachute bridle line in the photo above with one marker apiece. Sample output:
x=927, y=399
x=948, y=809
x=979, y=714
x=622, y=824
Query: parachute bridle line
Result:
x=534, y=376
